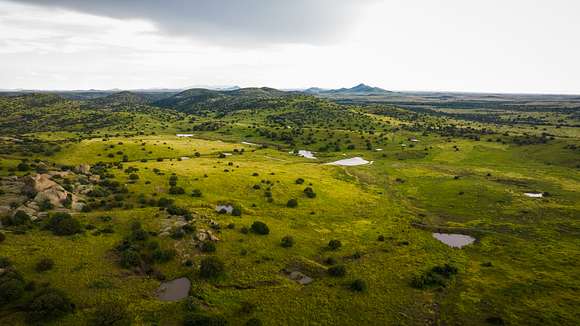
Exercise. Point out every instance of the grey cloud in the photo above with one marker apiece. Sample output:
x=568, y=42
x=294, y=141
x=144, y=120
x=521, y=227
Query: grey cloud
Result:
x=232, y=21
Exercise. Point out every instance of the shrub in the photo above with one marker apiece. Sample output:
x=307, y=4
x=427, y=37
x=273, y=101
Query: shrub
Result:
x=334, y=244
x=133, y=176
x=287, y=241
x=358, y=285
x=292, y=203
x=139, y=235
x=44, y=265
x=208, y=246
x=237, y=211
x=254, y=322
x=110, y=314
x=337, y=270
x=130, y=258
x=299, y=181
x=164, y=202
x=260, y=228
x=11, y=285
x=196, y=193
x=211, y=267
x=204, y=319
x=63, y=224
x=48, y=305
x=381, y=238
x=5, y=262
x=163, y=255
x=435, y=277
x=2, y=237
x=175, y=190
x=20, y=218
x=309, y=192
x=330, y=261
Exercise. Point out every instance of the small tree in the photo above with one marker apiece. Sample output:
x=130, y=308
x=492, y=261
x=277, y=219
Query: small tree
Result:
x=48, y=305
x=260, y=228
x=211, y=267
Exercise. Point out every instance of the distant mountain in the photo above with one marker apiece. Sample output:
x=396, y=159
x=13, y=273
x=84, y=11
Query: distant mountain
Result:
x=360, y=89
x=118, y=99
x=198, y=100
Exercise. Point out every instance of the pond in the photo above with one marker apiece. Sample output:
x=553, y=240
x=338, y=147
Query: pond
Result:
x=534, y=194
x=350, y=162
x=454, y=240
x=177, y=289
x=184, y=135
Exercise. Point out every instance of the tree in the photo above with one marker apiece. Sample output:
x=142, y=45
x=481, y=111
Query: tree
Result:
x=63, y=224
x=211, y=267
x=260, y=228
x=49, y=304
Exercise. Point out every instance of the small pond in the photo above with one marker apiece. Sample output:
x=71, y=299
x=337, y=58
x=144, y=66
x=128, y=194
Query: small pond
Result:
x=350, y=162
x=454, y=240
x=177, y=289
x=534, y=194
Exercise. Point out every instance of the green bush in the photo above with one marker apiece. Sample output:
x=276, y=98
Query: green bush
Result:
x=11, y=286
x=254, y=322
x=204, y=319
x=292, y=203
x=337, y=270
x=175, y=190
x=211, y=267
x=196, y=193
x=110, y=314
x=260, y=228
x=435, y=277
x=63, y=224
x=44, y=265
x=358, y=285
x=208, y=246
x=19, y=218
x=237, y=211
x=334, y=244
x=309, y=192
x=48, y=305
x=287, y=241
x=2, y=237
x=130, y=258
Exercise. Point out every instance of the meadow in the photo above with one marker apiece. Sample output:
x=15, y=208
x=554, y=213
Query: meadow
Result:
x=427, y=173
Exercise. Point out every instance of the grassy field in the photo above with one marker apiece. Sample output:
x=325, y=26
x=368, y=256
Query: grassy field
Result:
x=523, y=268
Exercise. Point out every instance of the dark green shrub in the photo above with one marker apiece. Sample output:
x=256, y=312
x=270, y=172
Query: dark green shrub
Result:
x=175, y=190
x=44, y=265
x=5, y=262
x=337, y=270
x=20, y=218
x=292, y=203
x=237, y=211
x=334, y=244
x=204, y=319
x=130, y=258
x=110, y=314
x=435, y=277
x=48, y=305
x=330, y=261
x=358, y=285
x=287, y=241
x=260, y=228
x=2, y=237
x=133, y=177
x=211, y=267
x=63, y=224
x=208, y=246
x=309, y=192
x=299, y=181
x=254, y=322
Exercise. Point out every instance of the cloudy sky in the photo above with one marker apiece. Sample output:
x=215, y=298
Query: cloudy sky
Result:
x=491, y=45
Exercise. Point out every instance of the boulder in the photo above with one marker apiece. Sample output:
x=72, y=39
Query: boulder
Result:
x=39, y=182
x=84, y=169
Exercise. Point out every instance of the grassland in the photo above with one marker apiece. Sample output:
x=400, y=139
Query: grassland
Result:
x=523, y=268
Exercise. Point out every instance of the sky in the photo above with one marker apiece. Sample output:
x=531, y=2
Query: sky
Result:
x=507, y=46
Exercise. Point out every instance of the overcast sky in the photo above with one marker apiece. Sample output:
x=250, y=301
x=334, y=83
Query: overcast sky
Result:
x=455, y=45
